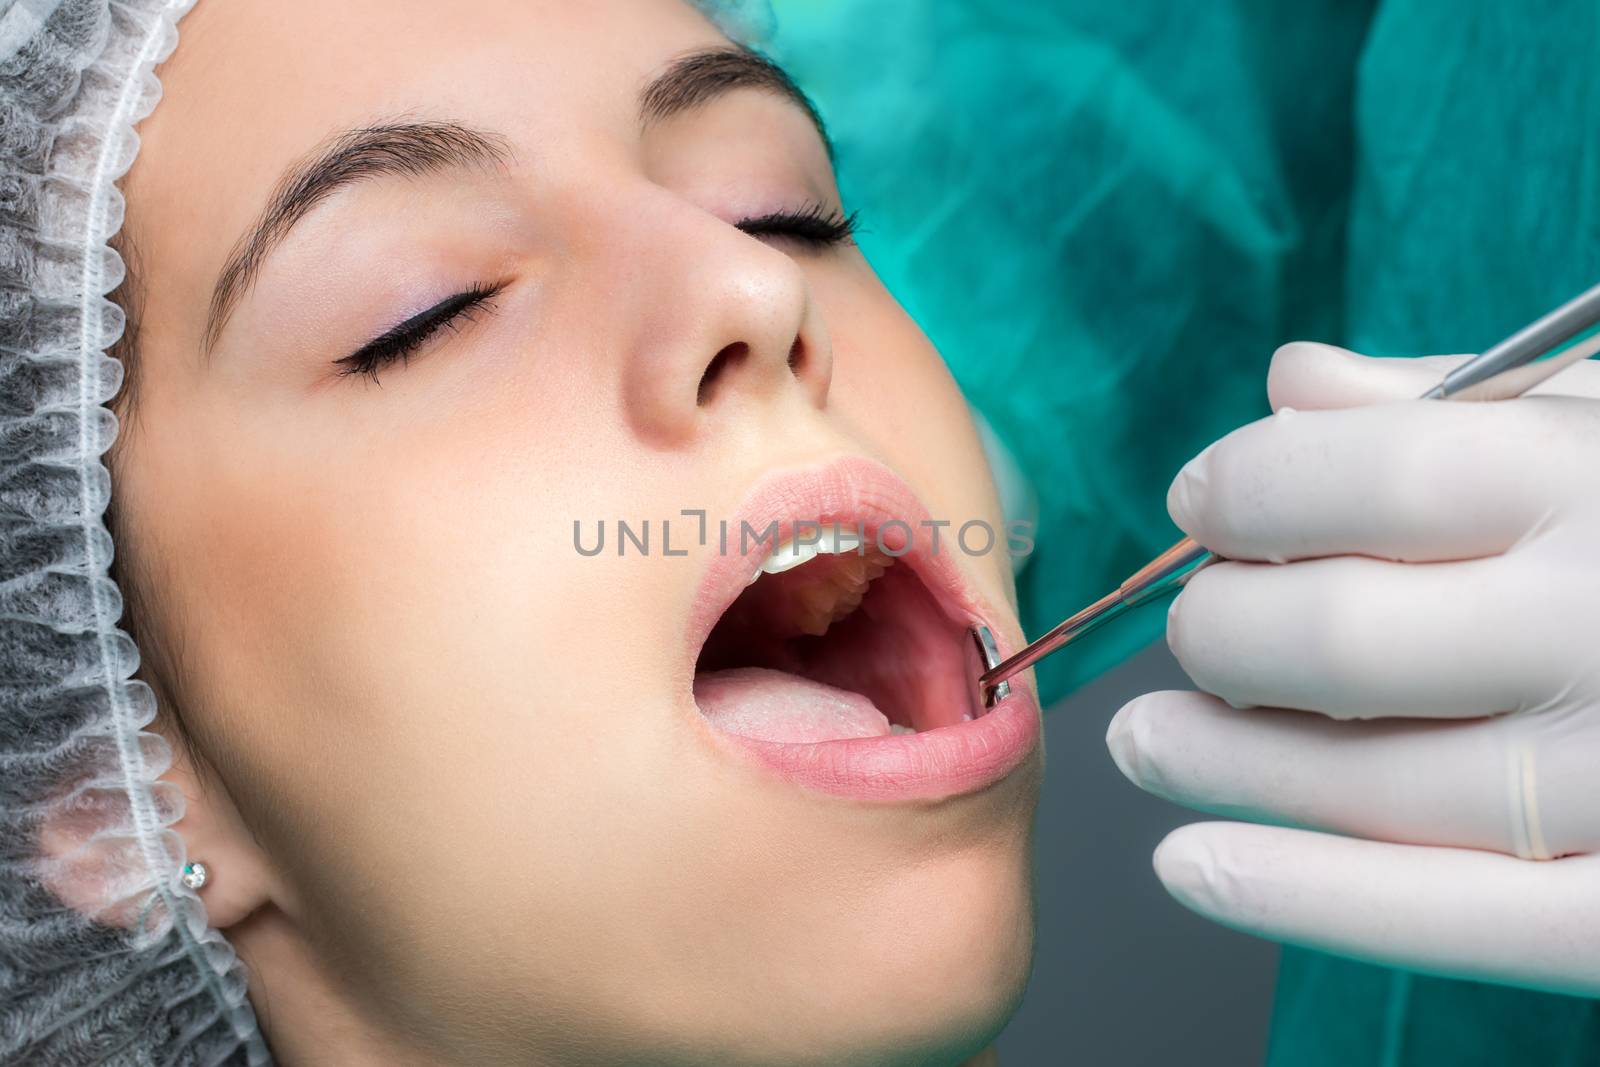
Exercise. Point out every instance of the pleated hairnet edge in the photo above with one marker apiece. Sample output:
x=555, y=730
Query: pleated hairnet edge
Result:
x=216, y=964
x=168, y=907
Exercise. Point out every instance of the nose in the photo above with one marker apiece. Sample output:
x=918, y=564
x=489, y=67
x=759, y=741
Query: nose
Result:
x=730, y=330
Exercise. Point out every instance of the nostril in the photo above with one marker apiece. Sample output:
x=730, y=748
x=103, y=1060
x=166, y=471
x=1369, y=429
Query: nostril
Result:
x=725, y=360
x=797, y=356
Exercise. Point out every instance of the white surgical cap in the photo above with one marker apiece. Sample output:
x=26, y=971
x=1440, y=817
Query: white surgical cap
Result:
x=150, y=981
x=129, y=972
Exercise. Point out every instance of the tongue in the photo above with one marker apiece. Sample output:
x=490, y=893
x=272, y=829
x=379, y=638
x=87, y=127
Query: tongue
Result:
x=776, y=706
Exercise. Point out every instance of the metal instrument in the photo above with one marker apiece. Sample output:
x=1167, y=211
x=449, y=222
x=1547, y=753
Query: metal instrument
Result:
x=1509, y=369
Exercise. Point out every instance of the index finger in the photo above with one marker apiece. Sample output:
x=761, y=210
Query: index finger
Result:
x=1411, y=481
x=1311, y=376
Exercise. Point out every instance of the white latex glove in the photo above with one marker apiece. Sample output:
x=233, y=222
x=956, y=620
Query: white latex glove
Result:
x=1426, y=590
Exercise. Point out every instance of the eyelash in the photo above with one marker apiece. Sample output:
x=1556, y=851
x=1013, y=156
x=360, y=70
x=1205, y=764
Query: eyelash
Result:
x=812, y=225
x=399, y=342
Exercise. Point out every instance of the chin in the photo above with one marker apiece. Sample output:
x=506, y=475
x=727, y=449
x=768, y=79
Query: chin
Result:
x=923, y=974
x=959, y=974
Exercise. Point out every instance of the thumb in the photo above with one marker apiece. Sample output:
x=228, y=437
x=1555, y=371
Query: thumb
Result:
x=1312, y=376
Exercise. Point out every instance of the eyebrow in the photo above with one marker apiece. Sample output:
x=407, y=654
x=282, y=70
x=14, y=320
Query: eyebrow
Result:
x=696, y=79
x=383, y=150
x=420, y=148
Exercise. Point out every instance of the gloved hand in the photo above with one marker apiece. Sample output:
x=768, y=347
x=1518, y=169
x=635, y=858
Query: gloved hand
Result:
x=1406, y=668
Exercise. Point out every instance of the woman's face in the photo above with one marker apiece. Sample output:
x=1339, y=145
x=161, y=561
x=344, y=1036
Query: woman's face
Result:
x=495, y=812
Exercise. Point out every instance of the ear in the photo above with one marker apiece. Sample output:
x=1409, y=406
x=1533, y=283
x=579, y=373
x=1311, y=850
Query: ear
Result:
x=239, y=875
x=84, y=871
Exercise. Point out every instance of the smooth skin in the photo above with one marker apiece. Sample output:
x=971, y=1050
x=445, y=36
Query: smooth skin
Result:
x=443, y=826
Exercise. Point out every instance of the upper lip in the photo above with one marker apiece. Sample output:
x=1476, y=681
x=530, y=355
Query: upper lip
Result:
x=857, y=493
x=861, y=494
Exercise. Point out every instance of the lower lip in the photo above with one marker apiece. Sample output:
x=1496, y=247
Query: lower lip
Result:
x=944, y=762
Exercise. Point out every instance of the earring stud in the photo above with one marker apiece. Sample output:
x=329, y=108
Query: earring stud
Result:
x=194, y=874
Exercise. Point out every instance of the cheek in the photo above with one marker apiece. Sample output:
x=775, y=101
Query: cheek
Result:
x=397, y=649
x=892, y=388
x=357, y=614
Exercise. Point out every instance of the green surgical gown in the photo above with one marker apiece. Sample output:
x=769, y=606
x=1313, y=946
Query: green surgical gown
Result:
x=1108, y=215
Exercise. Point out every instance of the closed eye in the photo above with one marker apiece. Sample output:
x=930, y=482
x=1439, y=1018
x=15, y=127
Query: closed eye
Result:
x=813, y=225
x=400, y=341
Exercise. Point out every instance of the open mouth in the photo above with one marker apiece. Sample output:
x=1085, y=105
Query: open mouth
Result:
x=837, y=637
x=840, y=651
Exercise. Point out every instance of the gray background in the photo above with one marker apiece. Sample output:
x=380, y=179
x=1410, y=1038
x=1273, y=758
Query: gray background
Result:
x=1123, y=975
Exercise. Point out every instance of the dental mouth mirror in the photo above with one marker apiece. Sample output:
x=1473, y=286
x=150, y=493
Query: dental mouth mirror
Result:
x=1533, y=354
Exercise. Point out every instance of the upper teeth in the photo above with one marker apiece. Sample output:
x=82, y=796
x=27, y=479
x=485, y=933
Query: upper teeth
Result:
x=791, y=554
